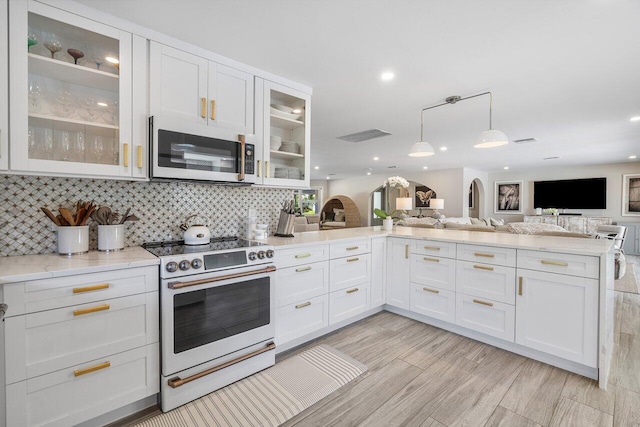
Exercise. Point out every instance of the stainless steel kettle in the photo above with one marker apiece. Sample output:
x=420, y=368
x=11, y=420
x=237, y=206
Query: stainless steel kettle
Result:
x=196, y=230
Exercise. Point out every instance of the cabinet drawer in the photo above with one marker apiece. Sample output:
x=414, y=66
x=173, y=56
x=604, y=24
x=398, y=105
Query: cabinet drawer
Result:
x=297, y=283
x=48, y=294
x=350, y=248
x=487, y=255
x=39, y=343
x=303, y=255
x=433, y=302
x=348, y=303
x=301, y=318
x=486, y=316
x=572, y=265
x=76, y=394
x=348, y=272
x=432, y=271
x=433, y=248
x=486, y=281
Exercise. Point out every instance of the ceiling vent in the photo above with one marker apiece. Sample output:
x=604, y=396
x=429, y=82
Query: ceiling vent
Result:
x=551, y=158
x=364, y=135
x=525, y=140
x=392, y=167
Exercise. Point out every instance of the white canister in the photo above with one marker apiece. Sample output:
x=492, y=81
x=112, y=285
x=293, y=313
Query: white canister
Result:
x=110, y=237
x=538, y=211
x=73, y=240
x=387, y=224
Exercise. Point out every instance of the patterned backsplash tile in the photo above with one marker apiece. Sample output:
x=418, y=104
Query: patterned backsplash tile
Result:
x=161, y=207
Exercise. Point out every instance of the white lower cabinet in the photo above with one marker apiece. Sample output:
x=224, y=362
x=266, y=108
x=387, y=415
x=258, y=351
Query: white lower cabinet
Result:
x=295, y=284
x=81, y=392
x=434, y=272
x=433, y=302
x=302, y=318
x=398, y=272
x=378, y=272
x=486, y=281
x=348, y=303
x=348, y=272
x=558, y=314
x=486, y=316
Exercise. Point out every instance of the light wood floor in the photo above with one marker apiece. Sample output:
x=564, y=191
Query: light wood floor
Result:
x=420, y=375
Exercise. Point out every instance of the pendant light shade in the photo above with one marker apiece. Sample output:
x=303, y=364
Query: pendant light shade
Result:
x=491, y=138
x=421, y=149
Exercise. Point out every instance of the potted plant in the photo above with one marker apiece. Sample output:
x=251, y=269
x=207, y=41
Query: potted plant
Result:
x=387, y=217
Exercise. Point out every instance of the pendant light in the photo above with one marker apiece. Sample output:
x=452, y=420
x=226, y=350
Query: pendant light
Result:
x=492, y=137
x=421, y=148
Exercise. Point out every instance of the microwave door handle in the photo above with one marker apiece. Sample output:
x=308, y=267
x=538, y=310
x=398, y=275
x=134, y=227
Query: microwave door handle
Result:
x=243, y=149
x=180, y=285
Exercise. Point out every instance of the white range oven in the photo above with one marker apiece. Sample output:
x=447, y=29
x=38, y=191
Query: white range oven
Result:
x=217, y=315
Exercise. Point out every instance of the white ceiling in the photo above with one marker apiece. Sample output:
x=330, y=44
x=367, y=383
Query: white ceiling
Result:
x=564, y=71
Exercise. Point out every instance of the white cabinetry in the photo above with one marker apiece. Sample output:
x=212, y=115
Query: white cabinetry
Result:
x=398, y=272
x=193, y=89
x=4, y=89
x=80, y=346
x=349, y=279
x=378, y=271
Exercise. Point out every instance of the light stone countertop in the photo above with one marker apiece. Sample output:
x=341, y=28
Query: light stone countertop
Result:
x=32, y=267
x=570, y=245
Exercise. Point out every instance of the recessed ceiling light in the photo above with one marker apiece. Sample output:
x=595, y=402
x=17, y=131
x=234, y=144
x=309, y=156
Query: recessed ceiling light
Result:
x=443, y=148
x=316, y=167
x=425, y=167
x=328, y=177
x=635, y=118
x=368, y=173
x=296, y=111
x=376, y=158
x=632, y=157
x=386, y=76
x=102, y=104
x=506, y=167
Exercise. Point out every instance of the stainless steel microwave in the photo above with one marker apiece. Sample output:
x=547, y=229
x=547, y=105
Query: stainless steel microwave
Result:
x=191, y=151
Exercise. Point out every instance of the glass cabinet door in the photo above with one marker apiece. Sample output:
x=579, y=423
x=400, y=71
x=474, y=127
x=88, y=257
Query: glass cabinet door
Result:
x=71, y=93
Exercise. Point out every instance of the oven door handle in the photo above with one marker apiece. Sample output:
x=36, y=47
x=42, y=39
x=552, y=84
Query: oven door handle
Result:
x=177, y=381
x=180, y=285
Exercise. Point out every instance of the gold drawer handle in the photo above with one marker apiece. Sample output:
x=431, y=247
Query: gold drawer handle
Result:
x=213, y=109
x=483, y=267
x=352, y=248
x=520, y=285
x=203, y=108
x=434, y=291
x=139, y=156
x=350, y=291
x=432, y=248
x=125, y=154
x=303, y=256
x=306, y=304
x=91, y=288
x=91, y=310
x=484, y=254
x=431, y=259
x=259, y=168
x=550, y=262
x=406, y=251
x=79, y=372
x=353, y=259
x=267, y=169
x=477, y=301
x=300, y=270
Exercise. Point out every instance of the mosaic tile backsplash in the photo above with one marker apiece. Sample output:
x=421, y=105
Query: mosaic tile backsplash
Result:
x=161, y=207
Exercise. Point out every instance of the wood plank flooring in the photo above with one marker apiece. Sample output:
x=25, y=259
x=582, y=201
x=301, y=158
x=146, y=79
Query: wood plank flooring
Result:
x=420, y=375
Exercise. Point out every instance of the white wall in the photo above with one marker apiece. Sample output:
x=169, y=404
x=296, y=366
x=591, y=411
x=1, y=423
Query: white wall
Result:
x=613, y=173
x=325, y=189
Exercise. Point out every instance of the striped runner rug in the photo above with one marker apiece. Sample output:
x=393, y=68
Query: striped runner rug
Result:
x=270, y=397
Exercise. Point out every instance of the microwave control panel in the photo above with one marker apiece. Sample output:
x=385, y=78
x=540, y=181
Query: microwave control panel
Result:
x=249, y=159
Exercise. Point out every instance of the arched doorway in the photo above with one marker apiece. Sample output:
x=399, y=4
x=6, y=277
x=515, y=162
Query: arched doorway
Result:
x=420, y=194
x=477, y=199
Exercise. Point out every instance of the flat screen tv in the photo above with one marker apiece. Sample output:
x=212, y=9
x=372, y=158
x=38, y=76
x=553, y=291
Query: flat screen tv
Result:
x=588, y=193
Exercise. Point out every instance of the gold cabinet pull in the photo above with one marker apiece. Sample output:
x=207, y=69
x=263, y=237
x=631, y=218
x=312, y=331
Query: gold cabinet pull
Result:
x=551, y=262
x=125, y=154
x=139, y=156
x=90, y=288
x=483, y=267
x=431, y=259
x=91, y=310
x=303, y=255
x=483, y=254
x=431, y=248
x=352, y=248
x=300, y=270
x=353, y=259
x=243, y=149
x=213, y=109
x=84, y=371
x=520, y=285
x=303, y=305
x=477, y=301
x=433, y=291
x=406, y=251
x=203, y=108
x=350, y=291
x=259, y=168
x=267, y=172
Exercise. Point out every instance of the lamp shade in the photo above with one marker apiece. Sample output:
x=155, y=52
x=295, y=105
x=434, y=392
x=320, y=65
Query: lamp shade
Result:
x=404, y=203
x=422, y=149
x=436, y=203
x=491, y=138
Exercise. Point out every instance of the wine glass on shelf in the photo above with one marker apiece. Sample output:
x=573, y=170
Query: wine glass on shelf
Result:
x=88, y=111
x=65, y=145
x=98, y=57
x=53, y=43
x=47, y=144
x=97, y=146
x=37, y=92
x=32, y=39
x=32, y=142
x=75, y=54
x=79, y=146
x=65, y=99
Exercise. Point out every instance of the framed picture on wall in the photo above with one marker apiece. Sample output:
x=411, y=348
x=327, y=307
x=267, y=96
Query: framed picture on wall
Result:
x=424, y=196
x=631, y=195
x=507, y=197
x=471, y=198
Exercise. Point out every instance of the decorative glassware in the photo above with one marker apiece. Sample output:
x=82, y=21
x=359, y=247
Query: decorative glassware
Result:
x=47, y=144
x=53, y=43
x=98, y=57
x=65, y=145
x=75, y=54
x=32, y=39
x=79, y=146
x=98, y=148
x=65, y=99
x=88, y=111
x=32, y=142
x=37, y=91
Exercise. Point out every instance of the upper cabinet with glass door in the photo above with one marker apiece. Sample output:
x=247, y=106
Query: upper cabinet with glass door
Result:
x=71, y=94
x=4, y=90
x=286, y=135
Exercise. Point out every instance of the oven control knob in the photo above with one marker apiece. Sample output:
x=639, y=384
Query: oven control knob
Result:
x=252, y=256
x=261, y=254
x=171, y=267
x=184, y=265
x=196, y=263
x=270, y=253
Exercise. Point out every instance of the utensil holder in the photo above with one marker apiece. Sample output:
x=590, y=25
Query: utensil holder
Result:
x=110, y=237
x=286, y=223
x=73, y=240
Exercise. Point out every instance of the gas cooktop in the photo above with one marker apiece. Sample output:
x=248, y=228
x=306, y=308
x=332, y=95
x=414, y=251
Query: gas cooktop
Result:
x=177, y=247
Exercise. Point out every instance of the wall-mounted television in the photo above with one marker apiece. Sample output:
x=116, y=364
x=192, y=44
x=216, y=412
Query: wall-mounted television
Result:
x=588, y=193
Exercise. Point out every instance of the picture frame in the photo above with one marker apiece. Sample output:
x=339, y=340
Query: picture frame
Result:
x=508, y=197
x=423, y=196
x=631, y=194
x=472, y=189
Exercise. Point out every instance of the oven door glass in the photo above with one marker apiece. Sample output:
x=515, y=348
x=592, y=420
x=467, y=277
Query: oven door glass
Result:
x=208, y=315
x=183, y=151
